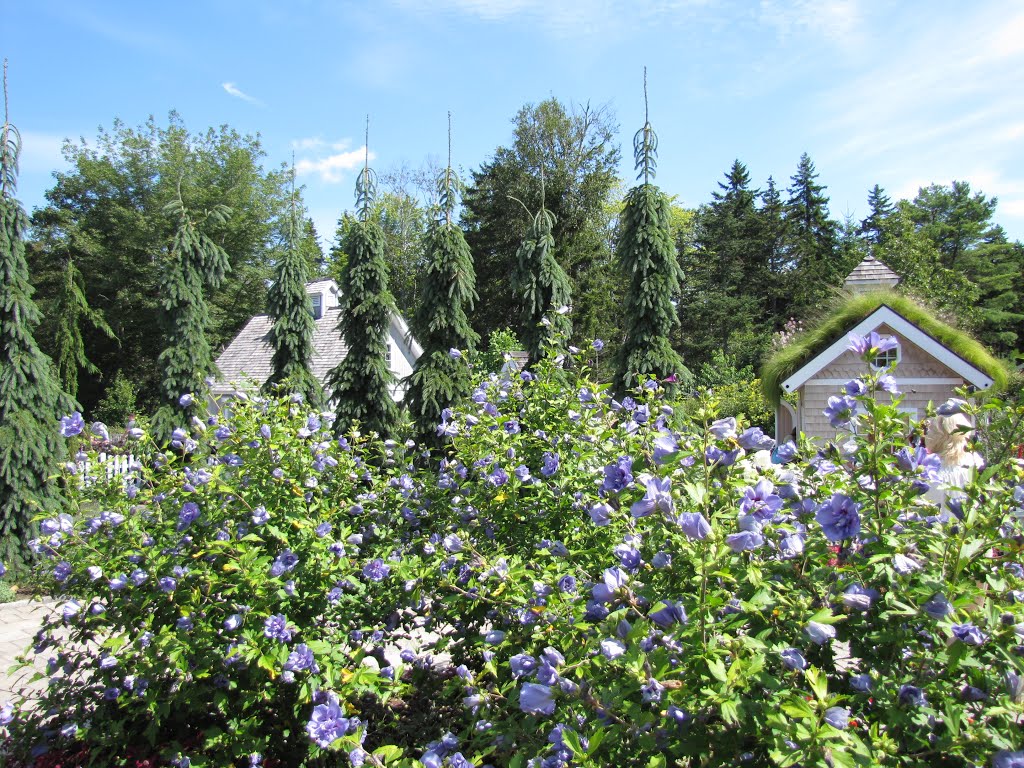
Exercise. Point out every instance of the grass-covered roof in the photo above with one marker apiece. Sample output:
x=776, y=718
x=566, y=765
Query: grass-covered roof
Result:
x=851, y=311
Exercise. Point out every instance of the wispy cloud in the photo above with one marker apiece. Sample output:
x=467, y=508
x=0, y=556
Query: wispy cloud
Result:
x=331, y=168
x=837, y=21
x=238, y=93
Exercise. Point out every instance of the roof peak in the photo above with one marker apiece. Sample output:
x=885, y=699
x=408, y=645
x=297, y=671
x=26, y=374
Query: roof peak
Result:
x=869, y=275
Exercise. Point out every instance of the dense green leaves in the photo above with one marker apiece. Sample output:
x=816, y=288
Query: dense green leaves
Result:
x=543, y=288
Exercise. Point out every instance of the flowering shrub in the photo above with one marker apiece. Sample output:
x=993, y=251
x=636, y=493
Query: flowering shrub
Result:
x=580, y=581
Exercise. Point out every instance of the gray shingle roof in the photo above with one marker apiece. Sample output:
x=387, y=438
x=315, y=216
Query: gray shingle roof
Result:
x=870, y=273
x=248, y=355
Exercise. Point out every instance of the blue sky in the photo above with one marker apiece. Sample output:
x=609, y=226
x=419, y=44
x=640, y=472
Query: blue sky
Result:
x=900, y=94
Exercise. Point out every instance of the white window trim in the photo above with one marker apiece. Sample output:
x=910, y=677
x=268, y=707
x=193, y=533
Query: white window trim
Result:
x=899, y=357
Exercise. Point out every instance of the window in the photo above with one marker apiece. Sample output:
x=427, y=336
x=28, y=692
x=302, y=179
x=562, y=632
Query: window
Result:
x=887, y=358
x=387, y=356
x=318, y=299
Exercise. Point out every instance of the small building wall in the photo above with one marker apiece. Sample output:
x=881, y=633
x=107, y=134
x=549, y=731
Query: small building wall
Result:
x=919, y=377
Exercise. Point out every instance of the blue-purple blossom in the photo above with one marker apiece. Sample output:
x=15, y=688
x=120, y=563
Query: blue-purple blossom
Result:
x=100, y=430
x=612, y=649
x=657, y=496
x=671, y=612
x=903, y=565
x=969, y=634
x=327, y=724
x=376, y=570
x=189, y=514
x=838, y=717
x=761, y=501
x=859, y=598
x=452, y=543
x=300, y=659
x=61, y=571
x=567, y=584
x=276, y=628
x=938, y=607
x=522, y=665
x=600, y=513
x=694, y=525
x=744, y=540
x=167, y=583
x=323, y=529
x=839, y=518
x=186, y=400
x=550, y=465
x=629, y=557
x=871, y=345
x=618, y=474
x=793, y=659
x=1006, y=759
x=840, y=410
x=862, y=682
x=819, y=633
x=535, y=699
x=856, y=388
x=233, y=622
x=912, y=696
x=72, y=425
x=723, y=429
x=754, y=439
x=598, y=345
x=284, y=562
x=652, y=691
x=665, y=446
x=260, y=515
x=613, y=580
x=786, y=452
x=497, y=477
x=119, y=582
x=887, y=383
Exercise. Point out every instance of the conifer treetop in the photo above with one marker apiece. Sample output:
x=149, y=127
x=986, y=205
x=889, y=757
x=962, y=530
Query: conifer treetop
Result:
x=645, y=145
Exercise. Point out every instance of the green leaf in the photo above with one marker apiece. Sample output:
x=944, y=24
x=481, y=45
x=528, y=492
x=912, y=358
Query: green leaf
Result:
x=717, y=669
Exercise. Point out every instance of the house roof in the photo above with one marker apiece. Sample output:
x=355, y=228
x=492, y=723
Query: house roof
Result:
x=815, y=348
x=870, y=274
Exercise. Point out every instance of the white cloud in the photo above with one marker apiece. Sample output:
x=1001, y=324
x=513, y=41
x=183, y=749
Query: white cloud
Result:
x=312, y=143
x=837, y=21
x=238, y=93
x=332, y=169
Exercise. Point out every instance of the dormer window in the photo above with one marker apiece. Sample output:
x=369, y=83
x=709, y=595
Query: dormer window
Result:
x=887, y=359
x=318, y=305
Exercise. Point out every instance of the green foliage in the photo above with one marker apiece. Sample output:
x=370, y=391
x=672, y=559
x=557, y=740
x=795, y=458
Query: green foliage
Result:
x=108, y=212
x=573, y=147
x=72, y=308
x=119, y=404
x=500, y=343
x=291, y=335
x=441, y=377
x=361, y=383
x=736, y=391
x=582, y=580
x=843, y=317
x=31, y=401
x=7, y=595
x=544, y=289
x=647, y=260
x=193, y=262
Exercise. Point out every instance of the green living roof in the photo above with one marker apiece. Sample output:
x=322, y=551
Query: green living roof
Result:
x=851, y=311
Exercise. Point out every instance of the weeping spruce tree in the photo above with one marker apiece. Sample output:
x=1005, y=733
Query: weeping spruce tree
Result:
x=31, y=401
x=361, y=383
x=543, y=286
x=71, y=307
x=449, y=289
x=194, y=262
x=647, y=258
x=291, y=336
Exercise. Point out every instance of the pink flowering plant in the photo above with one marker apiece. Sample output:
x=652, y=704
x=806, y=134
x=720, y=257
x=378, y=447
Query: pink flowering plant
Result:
x=580, y=580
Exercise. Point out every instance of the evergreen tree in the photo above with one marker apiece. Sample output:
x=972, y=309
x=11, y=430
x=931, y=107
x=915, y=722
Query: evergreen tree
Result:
x=194, y=262
x=71, y=308
x=543, y=287
x=811, y=239
x=647, y=260
x=880, y=208
x=774, y=254
x=439, y=377
x=725, y=274
x=361, y=384
x=291, y=336
x=31, y=401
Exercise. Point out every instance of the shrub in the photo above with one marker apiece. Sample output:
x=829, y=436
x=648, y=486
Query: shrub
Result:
x=581, y=581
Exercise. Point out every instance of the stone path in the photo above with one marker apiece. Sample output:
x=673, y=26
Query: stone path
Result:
x=19, y=622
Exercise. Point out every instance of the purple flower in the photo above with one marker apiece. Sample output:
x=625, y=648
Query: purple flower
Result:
x=840, y=410
x=793, y=659
x=838, y=717
x=839, y=518
x=761, y=501
x=498, y=477
x=327, y=724
x=969, y=634
x=862, y=683
x=6, y=713
x=188, y=515
x=550, y=466
x=612, y=649
x=186, y=400
x=286, y=561
x=754, y=439
x=657, y=495
x=376, y=570
x=912, y=696
x=598, y=345
x=100, y=430
x=1006, y=759
x=323, y=529
x=70, y=609
x=888, y=384
x=671, y=612
x=260, y=515
x=858, y=598
x=536, y=699
x=233, y=622
x=618, y=474
x=664, y=447
x=869, y=346
x=694, y=525
x=614, y=579
x=522, y=664
x=119, y=582
x=452, y=543
x=600, y=513
x=629, y=557
x=856, y=388
x=903, y=565
x=72, y=425
x=300, y=659
x=938, y=607
x=723, y=429
x=567, y=584
x=61, y=571
x=744, y=540
x=819, y=633
x=167, y=583
x=652, y=691
x=786, y=453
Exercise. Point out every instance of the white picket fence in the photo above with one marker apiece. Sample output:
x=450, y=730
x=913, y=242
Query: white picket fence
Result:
x=109, y=464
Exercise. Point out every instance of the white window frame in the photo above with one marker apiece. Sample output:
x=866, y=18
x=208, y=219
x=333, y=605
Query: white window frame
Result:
x=318, y=305
x=896, y=352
